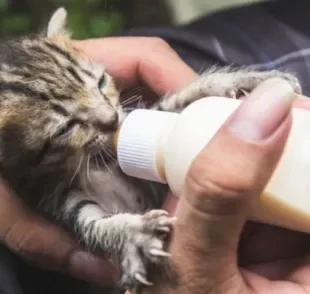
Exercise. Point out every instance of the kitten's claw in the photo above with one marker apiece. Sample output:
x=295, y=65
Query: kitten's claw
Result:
x=165, y=224
x=244, y=92
x=142, y=280
x=232, y=94
x=154, y=214
x=245, y=84
x=157, y=221
x=163, y=229
x=157, y=252
x=168, y=220
x=145, y=246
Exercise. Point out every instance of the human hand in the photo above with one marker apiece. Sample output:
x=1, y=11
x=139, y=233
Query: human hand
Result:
x=213, y=251
x=132, y=61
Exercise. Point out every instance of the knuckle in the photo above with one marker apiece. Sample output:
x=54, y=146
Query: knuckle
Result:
x=157, y=42
x=25, y=242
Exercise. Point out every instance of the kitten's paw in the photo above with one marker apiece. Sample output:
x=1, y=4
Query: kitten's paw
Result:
x=293, y=81
x=236, y=94
x=246, y=84
x=133, y=270
x=146, y=245
x=157, y=221
x=288, y=77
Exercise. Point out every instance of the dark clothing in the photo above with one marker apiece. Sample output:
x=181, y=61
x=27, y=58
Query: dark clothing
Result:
x=273, y=35
x=16, y=277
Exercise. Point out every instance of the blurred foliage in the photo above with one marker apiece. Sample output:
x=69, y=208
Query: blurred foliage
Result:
x=86, y=18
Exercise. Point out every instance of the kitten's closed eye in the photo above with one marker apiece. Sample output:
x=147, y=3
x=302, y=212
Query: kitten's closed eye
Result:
x=66, y=130
x=60, y=109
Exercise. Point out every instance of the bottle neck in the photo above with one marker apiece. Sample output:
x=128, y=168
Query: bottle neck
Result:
x=140, y=143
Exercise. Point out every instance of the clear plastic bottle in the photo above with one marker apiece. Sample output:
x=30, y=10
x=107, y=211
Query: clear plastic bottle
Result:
x=160, y=146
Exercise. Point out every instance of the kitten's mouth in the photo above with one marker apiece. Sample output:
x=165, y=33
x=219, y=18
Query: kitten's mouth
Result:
x=101, y=151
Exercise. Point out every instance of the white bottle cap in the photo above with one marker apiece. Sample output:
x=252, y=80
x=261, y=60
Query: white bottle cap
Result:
x=140, y=141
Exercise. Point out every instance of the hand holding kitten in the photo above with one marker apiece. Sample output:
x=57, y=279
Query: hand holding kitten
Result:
x=149, y=61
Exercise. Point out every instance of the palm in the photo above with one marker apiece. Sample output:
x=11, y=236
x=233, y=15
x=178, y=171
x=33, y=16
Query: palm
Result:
x=275, y=260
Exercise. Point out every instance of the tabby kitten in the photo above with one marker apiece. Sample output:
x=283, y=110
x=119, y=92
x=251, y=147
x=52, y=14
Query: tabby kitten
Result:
x=58, y=112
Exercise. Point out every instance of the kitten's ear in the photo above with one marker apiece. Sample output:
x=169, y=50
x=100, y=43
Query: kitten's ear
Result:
x=58, y=23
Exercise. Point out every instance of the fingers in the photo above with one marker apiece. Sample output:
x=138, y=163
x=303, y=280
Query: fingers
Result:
x=93, y=269
x=134, y=60
x=302, y=102
x=170, y=203
x=225, y=181
x=45, y=245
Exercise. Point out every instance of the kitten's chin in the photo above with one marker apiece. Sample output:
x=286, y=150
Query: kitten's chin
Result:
x=102, y=158
x=101, y=151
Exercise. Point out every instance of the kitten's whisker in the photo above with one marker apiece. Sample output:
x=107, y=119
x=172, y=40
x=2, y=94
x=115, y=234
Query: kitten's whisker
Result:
x=104, y=162
x=131, y=100
x=77, y=170
x=88, y=169
x=100, y=154
x=97, y=164
x=107, y=153
x=110, y=153
x=107, y=150
x=141, y=103
x=134, y=91
x=129, y=103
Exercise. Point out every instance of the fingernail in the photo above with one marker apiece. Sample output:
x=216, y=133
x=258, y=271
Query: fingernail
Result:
x=90, y=268
x=262, y=113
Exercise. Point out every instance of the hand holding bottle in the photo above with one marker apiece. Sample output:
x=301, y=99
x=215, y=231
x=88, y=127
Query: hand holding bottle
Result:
x=213, y=249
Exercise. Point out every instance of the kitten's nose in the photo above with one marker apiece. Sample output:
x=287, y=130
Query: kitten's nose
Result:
x=108, y=122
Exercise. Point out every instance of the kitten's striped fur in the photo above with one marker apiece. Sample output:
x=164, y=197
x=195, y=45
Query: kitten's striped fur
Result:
x=58, y=112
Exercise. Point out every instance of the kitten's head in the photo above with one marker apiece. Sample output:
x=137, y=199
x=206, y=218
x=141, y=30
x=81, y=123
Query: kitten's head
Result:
x=55, y=102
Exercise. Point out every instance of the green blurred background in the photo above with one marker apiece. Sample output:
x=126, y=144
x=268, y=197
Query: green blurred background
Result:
x=99, y=18
x=86, y=18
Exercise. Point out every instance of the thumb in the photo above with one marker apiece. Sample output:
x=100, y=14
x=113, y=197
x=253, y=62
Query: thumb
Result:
x=223, y=183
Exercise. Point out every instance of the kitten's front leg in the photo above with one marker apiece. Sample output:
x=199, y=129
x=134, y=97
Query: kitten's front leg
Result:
x=132, y=241
x=223, y=82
